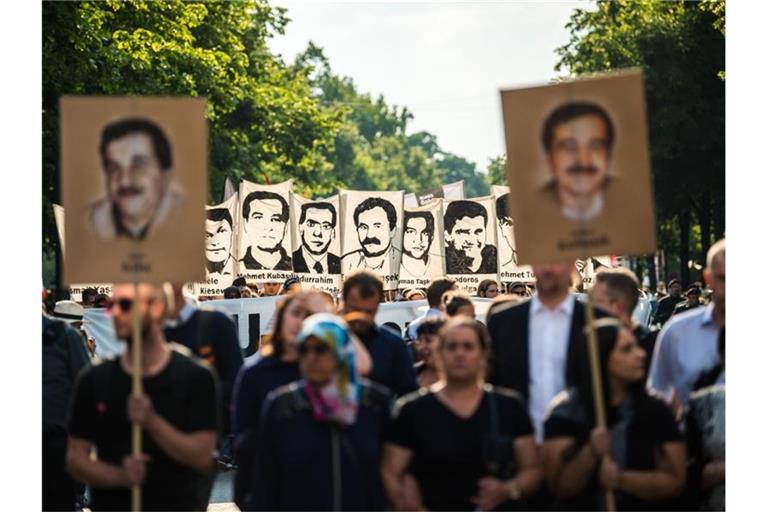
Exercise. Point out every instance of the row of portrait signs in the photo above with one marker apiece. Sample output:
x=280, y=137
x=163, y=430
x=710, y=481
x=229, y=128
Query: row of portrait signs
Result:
x=135, y=177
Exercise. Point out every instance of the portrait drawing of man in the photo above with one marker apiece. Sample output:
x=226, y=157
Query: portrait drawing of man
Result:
x=218, y=244
x=467, y=250
x=505, y=223
x=375, y=223
x=265, y=216
x=317, y=229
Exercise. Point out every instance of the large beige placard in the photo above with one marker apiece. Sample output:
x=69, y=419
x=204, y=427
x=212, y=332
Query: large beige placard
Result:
x=134, y=182
x=578, y=168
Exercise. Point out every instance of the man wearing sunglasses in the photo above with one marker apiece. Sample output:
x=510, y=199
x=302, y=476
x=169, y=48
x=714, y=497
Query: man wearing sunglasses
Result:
x=178, y=414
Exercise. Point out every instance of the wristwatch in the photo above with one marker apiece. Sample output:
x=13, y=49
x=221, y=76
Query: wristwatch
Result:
x=514, y=490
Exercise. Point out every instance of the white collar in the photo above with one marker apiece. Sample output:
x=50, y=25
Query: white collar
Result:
x=576, y=214
x=565, y=306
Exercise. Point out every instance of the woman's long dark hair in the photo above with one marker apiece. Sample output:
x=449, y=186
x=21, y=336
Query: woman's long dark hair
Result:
x=273, y=342
x=607, y=333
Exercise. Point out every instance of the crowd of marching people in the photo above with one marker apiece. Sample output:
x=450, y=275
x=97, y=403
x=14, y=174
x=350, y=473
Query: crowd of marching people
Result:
x=336, y=412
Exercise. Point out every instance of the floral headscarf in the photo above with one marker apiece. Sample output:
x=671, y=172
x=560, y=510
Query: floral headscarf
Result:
x=337, y=401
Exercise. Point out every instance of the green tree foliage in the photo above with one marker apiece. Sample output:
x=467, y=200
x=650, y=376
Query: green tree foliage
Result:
x=681, y=47
x=264, y=120
x=497, y=170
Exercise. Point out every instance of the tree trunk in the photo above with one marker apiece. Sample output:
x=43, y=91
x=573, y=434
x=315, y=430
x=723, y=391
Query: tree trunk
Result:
x=719, y=216
x=684, y=222
x=705, y=221
x=651, y=261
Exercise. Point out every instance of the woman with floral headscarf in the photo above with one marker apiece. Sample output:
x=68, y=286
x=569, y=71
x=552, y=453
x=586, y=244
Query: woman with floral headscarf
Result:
x=319, y=438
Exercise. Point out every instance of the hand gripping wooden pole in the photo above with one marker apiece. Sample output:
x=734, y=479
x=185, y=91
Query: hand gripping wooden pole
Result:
x=137, y=388
x=597, y=386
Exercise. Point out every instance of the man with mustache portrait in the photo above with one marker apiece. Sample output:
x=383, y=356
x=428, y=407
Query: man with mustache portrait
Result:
x=137, y=163
x=375, y=222
x=578, y=139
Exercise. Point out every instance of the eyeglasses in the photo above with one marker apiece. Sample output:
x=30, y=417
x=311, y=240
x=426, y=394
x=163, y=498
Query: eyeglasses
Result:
x=319, y=349
x=125, y=305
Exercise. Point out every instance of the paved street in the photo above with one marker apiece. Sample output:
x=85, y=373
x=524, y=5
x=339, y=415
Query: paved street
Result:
x=221, y=496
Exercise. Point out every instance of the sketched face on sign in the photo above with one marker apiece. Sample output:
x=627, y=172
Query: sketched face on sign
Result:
x=266, y=219
x=465, y=229
x=218, y=235
x=375, y=220
x=317, y=227
x=418, y=234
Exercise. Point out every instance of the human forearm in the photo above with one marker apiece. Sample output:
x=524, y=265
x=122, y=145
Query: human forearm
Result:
x=650, y=485
x=576, y=473
x=528, y=480
x=96, y=473
x=194, y=450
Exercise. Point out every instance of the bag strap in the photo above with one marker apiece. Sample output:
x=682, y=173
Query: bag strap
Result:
x=492, y=410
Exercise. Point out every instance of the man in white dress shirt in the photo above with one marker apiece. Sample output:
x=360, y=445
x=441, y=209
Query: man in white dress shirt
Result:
x=687, y=345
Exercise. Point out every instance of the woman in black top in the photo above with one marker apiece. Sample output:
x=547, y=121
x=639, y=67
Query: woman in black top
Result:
x=646, y=468
x=460, y=444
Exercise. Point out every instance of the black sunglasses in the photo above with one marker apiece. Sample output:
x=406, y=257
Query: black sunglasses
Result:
x=319, y=349
x=125, y=305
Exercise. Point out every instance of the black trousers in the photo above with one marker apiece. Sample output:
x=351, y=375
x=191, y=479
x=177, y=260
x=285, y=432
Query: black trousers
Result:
x=59, y=489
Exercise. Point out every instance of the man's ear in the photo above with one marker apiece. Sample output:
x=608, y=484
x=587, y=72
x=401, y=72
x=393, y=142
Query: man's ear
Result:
x=707, y=274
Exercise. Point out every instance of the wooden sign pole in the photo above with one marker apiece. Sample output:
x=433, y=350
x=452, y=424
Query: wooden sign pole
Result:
x=597, y=385
x=137, y=388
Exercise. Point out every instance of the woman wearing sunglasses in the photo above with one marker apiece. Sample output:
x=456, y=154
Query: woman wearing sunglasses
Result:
x=319, y=438
x=277, y=365
x=646, y=468
x=461, y=444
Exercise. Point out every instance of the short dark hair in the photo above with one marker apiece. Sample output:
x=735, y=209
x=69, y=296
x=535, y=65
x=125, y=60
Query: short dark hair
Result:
x=436, y=289
x=427, y=216
x=366, y=282
x=376, y=202
x=622, y=282
x=455, y=300
x=572, y=110
x=459, y=209
x=261, y=195
x=89, y=292
x=501, y=208
x=430, y=325
x=123, y=127
x=232, y=292
x=239, y=281
x=219, y=214
x=318, y=206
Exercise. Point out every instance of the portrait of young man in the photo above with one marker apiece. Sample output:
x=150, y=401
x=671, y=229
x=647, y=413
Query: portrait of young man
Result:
x=265, y=216
x=578, y=139
x=375, y=221
x=467, y=250
x=219, y=231
x=137, y=167
x=317, y=230
x=418, y=234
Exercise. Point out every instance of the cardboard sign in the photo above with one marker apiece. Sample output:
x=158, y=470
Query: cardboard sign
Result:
x=265, y=236
x=316, y=231
x=372, y=229
x=423, y=259
x=469, y=229
x=578, y=168
x=509, y=270
x=134, y=178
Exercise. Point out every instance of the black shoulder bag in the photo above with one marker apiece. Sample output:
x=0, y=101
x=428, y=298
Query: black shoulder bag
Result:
x=498, y=450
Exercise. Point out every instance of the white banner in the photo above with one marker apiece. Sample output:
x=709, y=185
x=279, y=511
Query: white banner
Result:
x=470, y=241
x=410, y=201
x=316, y=233
x=422, y=259
x=265, y=240
x=454, y=190
x=509, y=271
x=371, y=229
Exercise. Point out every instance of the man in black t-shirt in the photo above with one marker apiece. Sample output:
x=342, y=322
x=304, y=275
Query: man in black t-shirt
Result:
x=668, y=303
x=178, y=413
